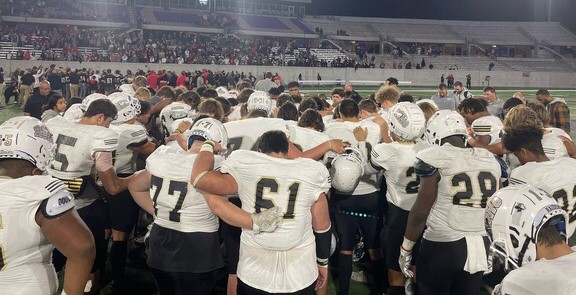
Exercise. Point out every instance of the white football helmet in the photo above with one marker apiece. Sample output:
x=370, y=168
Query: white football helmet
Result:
x=90, y=98
x=407, y=121
x=231, y=94
x=221, y=91
x=428, y=101
x=445, y=123
x=259, y=100
x=514, y=216
x=136, y=106
x=27, y=138
x=74, y=113
x=210, y=129
x=346, y=170
x=124, y=105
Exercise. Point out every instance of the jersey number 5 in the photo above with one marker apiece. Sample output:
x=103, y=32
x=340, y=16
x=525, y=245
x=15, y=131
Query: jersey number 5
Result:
x=272, y=185
x=58, y=155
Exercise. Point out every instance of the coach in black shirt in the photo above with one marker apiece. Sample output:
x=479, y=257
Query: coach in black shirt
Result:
x=37, y=101
x=55, y=81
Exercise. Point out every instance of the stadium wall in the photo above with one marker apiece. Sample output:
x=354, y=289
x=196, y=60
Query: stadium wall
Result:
x=417, y=77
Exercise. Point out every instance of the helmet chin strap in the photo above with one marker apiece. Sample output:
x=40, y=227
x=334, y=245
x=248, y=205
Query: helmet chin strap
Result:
x=527, y=241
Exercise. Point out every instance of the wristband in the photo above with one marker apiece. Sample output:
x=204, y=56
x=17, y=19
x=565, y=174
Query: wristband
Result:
x=207, y=148
x=408, y=245
x=322, y=262
x=198, y=177
x=178, y=131
x=210, y=143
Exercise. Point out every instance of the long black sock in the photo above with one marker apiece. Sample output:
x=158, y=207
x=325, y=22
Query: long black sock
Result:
x=380, y=275
x=118, y=254
x=344, y=273
x=396, y=290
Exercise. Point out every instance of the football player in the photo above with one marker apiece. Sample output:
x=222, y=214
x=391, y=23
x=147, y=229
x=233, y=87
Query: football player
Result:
x=397, y=159
x=81, y=149
x=184, y=244
x=359, y=206
x=485, y=128
x=557, y=177
x=178, y=110
x=455, y=184
x=37, y=214
x=132, y=141
x=294, y=258
x=528, y=230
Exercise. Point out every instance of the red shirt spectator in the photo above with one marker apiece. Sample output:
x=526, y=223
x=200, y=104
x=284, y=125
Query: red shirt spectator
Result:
x=181, y=81
x=153, y=79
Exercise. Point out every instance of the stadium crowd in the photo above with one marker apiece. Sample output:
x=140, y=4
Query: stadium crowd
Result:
x=427, y=183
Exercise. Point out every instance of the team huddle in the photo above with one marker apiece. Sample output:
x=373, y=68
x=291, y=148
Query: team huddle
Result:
x=446, y=201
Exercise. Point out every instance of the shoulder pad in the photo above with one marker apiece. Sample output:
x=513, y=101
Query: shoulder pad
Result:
x=57, y=204
x=422, y=169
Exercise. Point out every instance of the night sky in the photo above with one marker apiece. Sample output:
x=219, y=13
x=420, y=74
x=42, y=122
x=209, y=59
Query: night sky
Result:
x=483, y=10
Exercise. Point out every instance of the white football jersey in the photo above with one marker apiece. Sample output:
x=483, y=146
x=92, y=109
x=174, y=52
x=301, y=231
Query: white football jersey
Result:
x=306, y=138
x=244, y=134
x=397, y=160
x=25, y=254
x=551, y=277
x=129, y=135
x=235, y=115
x=77, y=146
x=469, y=176
x=128, y=89
x=553, y=146
x=488, y=125
x=557, y=132
x=344, y=131
x=285, y=260
x=172, y=112
x=557, y=177
x=178, y=205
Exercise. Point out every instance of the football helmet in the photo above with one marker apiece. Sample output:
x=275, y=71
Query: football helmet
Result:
x=89, y=99
x=74, y=113
x=513, y=219
x=125, y=106
x=445, y=123
x=346, y=170
x=231, y=94
x=259, y=100
x=209, y=129
x=27, y=138
x=428, y=101
x=407, y=121
x=221, y=91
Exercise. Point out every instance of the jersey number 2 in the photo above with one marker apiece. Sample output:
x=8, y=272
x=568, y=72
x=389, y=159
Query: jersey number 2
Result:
x=272, y=185
x=487, y=185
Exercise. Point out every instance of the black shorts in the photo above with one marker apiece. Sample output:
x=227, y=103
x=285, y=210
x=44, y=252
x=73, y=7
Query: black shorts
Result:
x=244, y=289
x=93, y=217
x=173, y=251
x=231, y=237
x=357, y=212
x=394, y=235
x=183, y=282
x=440, y=269
x=123, y=211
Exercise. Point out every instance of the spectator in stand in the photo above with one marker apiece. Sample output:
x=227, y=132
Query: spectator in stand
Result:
x=34, y=105
x=495, y=104
x=559, y=111
x=266, y=84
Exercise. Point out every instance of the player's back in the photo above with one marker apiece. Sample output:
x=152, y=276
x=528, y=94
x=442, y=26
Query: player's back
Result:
x=305, y=138
x=468, y=177
x=556, y=177
x=178, y=205
x=129, y=135
x=294, y=185
x=550, y=277
x=398, y=161
x=244, y=134
x=553, y=146
x=25, y=254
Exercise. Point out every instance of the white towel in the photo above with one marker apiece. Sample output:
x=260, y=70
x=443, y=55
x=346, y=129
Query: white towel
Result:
x=477, y=259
